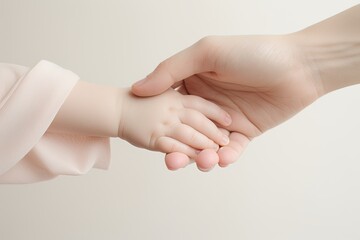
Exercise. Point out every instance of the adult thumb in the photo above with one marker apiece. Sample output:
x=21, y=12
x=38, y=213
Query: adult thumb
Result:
x=192, y=60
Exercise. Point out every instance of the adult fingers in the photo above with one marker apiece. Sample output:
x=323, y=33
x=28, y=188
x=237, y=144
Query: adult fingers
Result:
x=231, y=152
x=207, y=159
x=177, y=160
x=195, y=59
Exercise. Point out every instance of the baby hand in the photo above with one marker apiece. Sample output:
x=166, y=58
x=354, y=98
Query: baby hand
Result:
x=172, y=122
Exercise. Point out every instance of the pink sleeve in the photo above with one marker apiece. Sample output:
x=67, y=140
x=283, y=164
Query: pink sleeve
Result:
x=29, y=101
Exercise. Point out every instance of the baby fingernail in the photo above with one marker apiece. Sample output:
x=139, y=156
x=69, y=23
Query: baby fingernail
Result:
x=225, y=140
x=203, y=169
x=223, y=165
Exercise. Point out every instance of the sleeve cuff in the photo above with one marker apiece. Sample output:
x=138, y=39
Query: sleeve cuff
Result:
x=25, y=115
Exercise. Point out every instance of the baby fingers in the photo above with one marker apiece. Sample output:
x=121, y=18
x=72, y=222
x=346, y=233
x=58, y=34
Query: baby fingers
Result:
x=170, y=145
x=177, y=160
x=189, y=136
x=203, y=125
x=209, y=109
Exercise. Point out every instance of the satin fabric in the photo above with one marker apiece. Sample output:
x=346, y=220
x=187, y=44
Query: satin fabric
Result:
x=29, y=101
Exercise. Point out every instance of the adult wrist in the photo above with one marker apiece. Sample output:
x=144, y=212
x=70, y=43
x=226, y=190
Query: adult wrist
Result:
x=335, y=62
x=331, y=49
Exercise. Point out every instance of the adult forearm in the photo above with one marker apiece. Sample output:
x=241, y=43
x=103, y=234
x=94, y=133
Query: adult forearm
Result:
x=91, y=110
x=332, y=49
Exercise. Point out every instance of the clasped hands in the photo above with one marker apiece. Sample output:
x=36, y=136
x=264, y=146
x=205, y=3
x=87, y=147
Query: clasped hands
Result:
x=260, y=81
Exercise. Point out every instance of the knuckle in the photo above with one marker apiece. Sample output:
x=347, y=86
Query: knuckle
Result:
x=195, y=118
x=173, y=147
x=209, y=47
x=164, y=145
x=191, y=101
x=166, y=68
x=193, y=137
x=160, y=145
x=155, y=140
x=162, y=65
x=207, y=42
x=196, y=100
x=173, y=109
x=185, y=132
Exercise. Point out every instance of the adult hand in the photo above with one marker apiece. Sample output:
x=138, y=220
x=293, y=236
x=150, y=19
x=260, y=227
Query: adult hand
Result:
x=259, y=80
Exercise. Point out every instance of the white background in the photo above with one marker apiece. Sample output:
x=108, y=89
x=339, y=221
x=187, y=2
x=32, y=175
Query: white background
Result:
x=300, y=180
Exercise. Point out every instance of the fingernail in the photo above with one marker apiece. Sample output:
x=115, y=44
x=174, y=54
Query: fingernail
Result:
x=223, y=165
x=204, y=170
x=228, y=119
x=140, y=82
x=225, y=140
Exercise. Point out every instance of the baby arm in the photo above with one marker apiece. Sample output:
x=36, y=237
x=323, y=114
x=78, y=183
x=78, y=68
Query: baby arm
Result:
x=169, y=122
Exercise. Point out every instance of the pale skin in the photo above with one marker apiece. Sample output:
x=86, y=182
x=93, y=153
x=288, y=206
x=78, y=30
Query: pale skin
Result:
x=261, y=81
x=170, y=122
